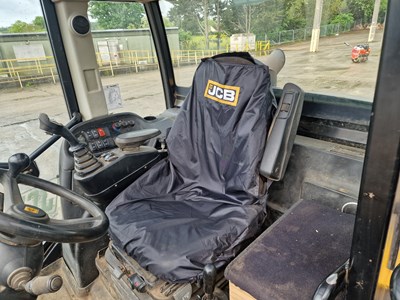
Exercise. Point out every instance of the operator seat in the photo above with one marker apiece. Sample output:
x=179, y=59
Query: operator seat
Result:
x=202, y=203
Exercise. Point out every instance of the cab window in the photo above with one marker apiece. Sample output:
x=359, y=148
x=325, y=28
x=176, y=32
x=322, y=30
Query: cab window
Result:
x=261, y=26
x=126, y=57
x=29, y=85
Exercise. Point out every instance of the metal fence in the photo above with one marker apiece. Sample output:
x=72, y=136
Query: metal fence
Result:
x=19, y=71
x=24, y=72
x=294, y=35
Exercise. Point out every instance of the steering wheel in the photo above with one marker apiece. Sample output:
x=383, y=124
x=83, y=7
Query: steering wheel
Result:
x=20, y=220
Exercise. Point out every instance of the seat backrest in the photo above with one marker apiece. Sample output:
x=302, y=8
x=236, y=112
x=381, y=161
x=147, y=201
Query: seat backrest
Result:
x=218, y=138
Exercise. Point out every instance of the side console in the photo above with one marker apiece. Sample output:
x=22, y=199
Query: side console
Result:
x=119, y=148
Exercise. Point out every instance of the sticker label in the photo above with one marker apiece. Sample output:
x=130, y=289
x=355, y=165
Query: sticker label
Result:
x=31, y=210
x=113, y=96
x=224, y=94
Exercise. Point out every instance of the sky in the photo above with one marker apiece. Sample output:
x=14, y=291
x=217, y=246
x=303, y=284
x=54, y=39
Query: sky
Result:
x=13, y=10
x=27, y=10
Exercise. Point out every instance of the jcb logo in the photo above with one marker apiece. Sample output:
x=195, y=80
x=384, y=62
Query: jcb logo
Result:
x=225, y=94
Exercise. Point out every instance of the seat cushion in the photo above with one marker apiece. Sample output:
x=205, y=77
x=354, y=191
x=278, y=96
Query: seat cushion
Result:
x=174, y=238
x=293, y=256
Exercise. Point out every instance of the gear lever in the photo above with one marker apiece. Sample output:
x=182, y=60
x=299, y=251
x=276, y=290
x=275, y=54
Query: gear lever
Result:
x=52, y=127
x=85, y=162
x=209, y=279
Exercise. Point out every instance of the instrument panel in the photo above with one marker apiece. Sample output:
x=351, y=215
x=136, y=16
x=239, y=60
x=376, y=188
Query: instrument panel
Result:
x=100, y=133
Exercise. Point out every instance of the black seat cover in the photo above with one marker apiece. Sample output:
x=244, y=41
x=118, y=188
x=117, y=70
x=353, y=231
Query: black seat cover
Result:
x=202, y=202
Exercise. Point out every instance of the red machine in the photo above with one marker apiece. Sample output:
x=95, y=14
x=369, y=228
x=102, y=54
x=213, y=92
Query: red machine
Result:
x=360, y=53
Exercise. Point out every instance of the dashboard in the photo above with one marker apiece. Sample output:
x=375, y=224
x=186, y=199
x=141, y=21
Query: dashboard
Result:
x=100, y=133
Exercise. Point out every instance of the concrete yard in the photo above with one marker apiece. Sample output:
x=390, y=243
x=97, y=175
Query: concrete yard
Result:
x=329, y=71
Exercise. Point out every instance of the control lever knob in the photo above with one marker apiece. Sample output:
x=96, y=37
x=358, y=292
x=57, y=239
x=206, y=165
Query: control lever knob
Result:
x=209, y=279
x=85, y=162
x=44, y=284
x=58, y=129
x=17, y=163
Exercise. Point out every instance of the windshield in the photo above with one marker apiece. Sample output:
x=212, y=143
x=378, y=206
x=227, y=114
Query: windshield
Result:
x=337, y=66
x=29, y=85
x=344, y=61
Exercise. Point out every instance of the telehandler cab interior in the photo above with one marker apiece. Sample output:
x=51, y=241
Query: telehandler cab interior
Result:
x=240, y=189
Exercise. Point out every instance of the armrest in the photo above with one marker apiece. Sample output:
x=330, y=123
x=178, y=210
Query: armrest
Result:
x=134, y=139
x=283, y=132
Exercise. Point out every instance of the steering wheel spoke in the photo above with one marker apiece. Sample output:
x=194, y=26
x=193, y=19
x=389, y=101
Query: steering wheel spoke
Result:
x=68, y=224
x=12, y=194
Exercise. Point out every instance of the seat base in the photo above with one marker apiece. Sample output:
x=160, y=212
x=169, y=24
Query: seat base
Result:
x=293, y=256
x=115, y=266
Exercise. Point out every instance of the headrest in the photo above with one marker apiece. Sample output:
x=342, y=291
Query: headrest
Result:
x=242, y=58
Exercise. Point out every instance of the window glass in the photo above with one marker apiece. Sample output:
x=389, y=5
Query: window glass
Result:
x=259, y=26
x=29, y=85
x=126, y=56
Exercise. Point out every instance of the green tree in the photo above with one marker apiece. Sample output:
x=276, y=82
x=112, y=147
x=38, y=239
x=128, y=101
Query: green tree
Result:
x=267, y=17
x=361, y=9
x=20, y=26
x=192, y=16
x=238, y=18
x=185, y=38
x=187, y=15
x=36, y=25
x=112, y=15
x=295, y=15
x=38, y=22
x=343, y=19
x=333, y=8
x=382, y=11
x=145, y=22
x=230, y=17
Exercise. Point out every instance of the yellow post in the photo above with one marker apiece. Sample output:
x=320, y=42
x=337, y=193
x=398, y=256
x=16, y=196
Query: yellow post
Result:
x=11, y=67
x=19, y=79
x=268, y=45
x=38, y=66
x=136, y=62
x=52, y=75
x=130, y=57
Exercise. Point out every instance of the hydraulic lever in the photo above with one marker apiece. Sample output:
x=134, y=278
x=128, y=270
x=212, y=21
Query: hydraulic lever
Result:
x=21, y=279
x=209, y=279
x=85, y=161
x=53, y=127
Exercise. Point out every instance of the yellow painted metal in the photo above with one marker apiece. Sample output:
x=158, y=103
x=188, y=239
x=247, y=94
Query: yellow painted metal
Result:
x=387, y=265
x=17, y=70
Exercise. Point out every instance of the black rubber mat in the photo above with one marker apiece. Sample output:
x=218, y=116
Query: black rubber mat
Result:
x=293, y=256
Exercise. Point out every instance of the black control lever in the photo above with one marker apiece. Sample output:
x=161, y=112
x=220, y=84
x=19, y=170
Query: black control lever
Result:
x=333, y=284
x=17, y=163
x=53, y=127
x=209, y=279
x=85, y=161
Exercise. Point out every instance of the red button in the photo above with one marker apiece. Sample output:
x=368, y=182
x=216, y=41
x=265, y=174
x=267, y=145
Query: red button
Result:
x=101, y=132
